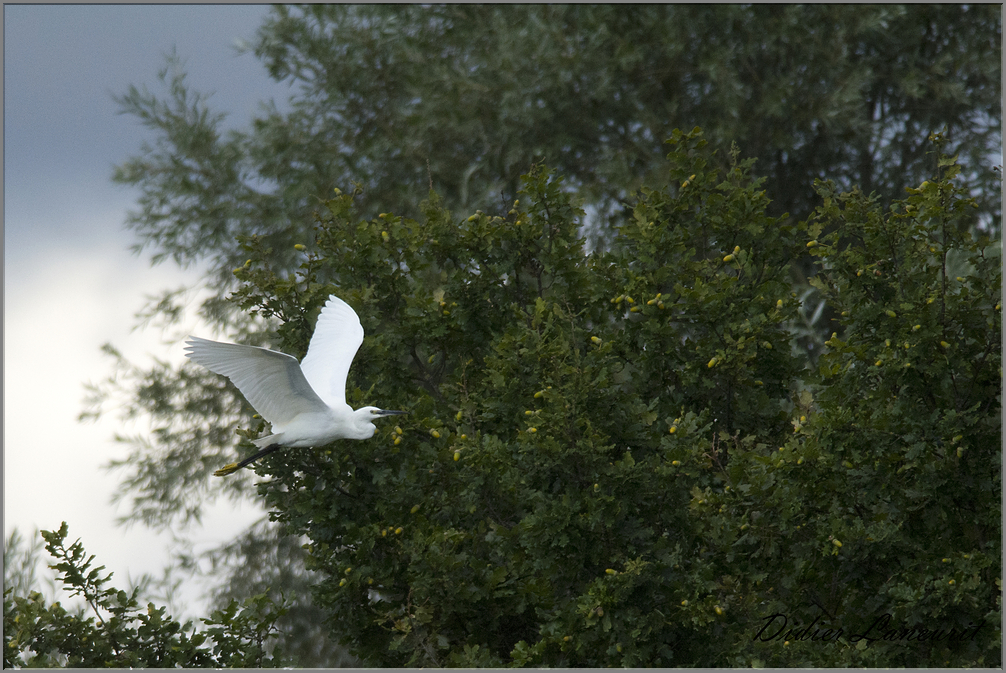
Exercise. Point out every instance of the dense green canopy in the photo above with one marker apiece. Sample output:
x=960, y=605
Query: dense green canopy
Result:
x=463, y=98
x=655, y=400
x=618, y=460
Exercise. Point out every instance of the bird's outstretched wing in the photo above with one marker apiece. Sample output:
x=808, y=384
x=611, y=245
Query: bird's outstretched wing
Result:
x=336, y=339
x=272, y=382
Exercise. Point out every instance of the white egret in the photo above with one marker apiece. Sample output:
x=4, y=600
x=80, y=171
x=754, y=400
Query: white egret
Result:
x=305, y=402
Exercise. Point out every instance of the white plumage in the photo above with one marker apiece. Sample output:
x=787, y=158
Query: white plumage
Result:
x=305, y=402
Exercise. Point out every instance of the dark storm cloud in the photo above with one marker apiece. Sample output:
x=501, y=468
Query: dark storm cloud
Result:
x=62, y=133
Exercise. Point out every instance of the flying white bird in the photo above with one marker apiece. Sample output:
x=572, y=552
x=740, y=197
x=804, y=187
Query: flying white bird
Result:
x=306, y=402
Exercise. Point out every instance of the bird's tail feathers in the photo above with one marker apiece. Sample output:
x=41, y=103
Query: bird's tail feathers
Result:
x=265, y=442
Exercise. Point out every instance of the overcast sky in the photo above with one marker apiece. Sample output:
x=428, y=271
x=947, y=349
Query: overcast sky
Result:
x=70, y=283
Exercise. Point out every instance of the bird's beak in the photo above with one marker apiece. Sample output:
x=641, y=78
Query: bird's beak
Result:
x=389, y=412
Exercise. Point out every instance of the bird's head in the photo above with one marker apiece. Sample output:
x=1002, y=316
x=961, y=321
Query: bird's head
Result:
x=364, y=418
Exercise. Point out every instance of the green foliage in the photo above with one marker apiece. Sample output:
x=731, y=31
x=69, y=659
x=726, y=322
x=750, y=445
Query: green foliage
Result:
x=463, y=98
x=269, y=562
x=21, y=562
x=617, y=460
x=167, y=481
x=126, y=635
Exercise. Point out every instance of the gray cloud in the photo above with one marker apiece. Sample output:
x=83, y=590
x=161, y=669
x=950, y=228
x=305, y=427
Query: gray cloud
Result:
x=62, y=132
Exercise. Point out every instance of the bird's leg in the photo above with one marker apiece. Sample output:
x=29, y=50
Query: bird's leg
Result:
x=234, y=467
